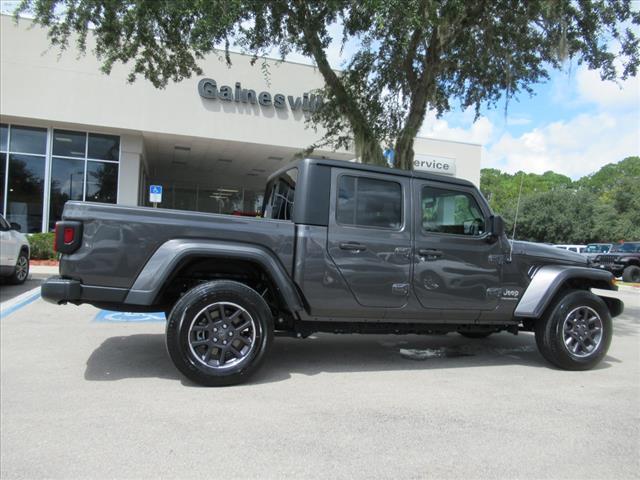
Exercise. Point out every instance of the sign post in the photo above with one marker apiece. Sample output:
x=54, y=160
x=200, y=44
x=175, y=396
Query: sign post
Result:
x=155, y=195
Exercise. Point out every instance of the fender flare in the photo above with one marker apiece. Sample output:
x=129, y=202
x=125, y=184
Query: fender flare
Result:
x=549, y=279
x=170, y=255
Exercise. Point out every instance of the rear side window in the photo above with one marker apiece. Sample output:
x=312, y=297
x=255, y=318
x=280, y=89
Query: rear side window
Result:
x=282, y=197
x=451, y=212
x=368, y=202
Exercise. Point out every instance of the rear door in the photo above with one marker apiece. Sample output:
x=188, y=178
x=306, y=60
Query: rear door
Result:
x=456, y=266
x=369, y=235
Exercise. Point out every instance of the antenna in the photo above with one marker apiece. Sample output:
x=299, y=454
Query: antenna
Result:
x=515, y=220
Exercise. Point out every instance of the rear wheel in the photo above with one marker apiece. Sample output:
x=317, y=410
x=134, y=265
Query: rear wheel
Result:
x=575, y=331
x=21, y=272
x=631, y=274
x=218, y=333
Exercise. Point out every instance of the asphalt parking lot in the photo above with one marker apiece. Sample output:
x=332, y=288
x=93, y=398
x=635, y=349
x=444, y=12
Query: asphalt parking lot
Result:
x=84, y=395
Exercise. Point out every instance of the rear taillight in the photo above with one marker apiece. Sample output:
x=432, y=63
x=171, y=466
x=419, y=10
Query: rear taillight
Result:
x=67, y=236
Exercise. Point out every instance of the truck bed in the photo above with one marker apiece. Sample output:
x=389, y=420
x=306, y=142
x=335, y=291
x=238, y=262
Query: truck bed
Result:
x=119, y=240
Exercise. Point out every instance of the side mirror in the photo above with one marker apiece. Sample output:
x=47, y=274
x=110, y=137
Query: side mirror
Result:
x=16, y=226
x=497, y=226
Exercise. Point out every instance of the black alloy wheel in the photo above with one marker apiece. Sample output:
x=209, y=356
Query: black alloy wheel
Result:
x=219, y=332
x=576, y=330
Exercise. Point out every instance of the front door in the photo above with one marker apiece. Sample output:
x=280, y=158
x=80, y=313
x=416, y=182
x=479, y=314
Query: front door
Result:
x=369, y=236
x=456, y=266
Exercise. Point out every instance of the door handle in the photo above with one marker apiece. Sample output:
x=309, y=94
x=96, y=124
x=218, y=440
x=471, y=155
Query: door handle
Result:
x=403, y=252
x=430, y=253
x=353, y=246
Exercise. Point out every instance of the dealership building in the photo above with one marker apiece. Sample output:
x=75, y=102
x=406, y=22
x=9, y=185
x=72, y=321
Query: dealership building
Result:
x=70, y=132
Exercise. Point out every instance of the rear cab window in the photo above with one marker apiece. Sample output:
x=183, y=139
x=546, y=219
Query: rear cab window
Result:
x=280, y=196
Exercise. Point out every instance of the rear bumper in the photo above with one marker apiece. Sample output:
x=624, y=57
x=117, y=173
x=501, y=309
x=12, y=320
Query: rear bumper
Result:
x=61, y=290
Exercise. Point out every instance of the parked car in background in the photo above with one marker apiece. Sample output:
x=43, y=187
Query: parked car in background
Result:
x=573, y=248
x=622, y=260
x=594, y=249
x=14, y=252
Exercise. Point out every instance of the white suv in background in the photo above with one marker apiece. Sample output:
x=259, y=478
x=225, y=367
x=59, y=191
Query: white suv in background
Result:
x=14, y=252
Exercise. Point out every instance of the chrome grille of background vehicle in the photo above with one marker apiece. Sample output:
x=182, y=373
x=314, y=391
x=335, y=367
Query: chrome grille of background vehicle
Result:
x=606, y=258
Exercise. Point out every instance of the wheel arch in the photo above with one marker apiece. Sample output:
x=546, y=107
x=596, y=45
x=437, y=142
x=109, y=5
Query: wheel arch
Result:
x=551, y=280
x=174, y=256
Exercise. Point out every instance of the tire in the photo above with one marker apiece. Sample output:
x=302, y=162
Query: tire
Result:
x=631, y=274
x=215, y=349
x=583, y=320
x=476, y=335
x=21, y=272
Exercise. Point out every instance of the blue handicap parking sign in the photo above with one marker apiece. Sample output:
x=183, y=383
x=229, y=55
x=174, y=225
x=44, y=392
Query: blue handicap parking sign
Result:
x=155, y=193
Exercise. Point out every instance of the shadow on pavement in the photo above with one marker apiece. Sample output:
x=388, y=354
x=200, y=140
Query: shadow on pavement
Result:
x=145, y=355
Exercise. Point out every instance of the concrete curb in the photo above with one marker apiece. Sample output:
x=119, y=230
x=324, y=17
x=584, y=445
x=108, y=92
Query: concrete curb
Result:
x=44, y=269
x=628, y=288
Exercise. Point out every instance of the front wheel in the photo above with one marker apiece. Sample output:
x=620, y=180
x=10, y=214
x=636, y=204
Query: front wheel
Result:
x=575, y=331
x=631, y=274
x=219, y=332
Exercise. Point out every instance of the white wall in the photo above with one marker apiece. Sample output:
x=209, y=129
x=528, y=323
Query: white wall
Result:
x=41, y=87
x=36, y=83
x=466, y=156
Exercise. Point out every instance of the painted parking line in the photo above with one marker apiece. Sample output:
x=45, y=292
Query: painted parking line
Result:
x=107, y=316
x=15, y=304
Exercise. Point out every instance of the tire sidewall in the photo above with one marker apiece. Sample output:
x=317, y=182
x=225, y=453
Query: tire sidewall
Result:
x=630, y=272
x=553, y=335
x=181, y=316
x=14, y=278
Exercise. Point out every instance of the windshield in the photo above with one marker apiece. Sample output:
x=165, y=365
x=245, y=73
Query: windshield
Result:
x=595, y=248
x=627, y=248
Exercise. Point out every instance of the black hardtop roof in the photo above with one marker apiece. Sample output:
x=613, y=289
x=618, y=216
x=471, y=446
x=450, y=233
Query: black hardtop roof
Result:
x=374, y=169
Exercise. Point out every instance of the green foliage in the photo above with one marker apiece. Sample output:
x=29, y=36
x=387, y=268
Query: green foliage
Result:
x=41, y=245
x=410, y=55
x=601, y=207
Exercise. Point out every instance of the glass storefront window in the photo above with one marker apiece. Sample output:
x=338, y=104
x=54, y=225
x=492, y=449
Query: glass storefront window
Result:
x=4, y=132
x=26, y=191
x=28, y=140
x=67, y=180
x=3, y=169
x=102, y=182
x=82, y=166
x=69, y=144
x=76, y=173
x=104, y=147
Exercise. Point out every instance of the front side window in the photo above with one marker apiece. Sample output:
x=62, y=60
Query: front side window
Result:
x=282, y=196
x=451, y=212
x=369, y=202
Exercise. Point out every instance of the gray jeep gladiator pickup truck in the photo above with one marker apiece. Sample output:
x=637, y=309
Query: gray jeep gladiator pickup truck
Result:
x=342, y=247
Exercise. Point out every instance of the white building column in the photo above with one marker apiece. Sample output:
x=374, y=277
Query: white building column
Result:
x=131, y=151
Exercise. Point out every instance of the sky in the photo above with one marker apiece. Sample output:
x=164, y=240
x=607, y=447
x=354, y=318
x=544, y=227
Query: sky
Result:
x=573, y=124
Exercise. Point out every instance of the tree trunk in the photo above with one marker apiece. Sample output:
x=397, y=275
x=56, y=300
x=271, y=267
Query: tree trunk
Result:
x=368, y=150
x=404, y=153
